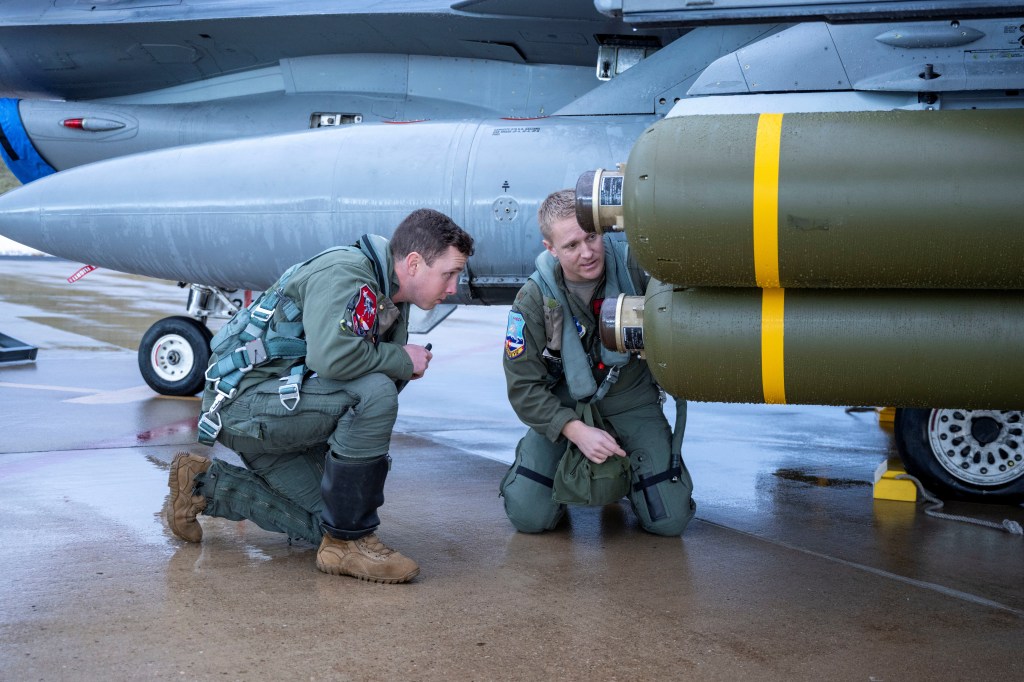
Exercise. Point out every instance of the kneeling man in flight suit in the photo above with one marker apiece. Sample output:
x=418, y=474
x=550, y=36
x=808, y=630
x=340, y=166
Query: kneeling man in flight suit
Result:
x=555, y=365
x=313, y=423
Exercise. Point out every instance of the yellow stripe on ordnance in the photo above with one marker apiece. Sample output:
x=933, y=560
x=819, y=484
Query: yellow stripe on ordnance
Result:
x=773, y=332
x=766, y=200
x=766, y=256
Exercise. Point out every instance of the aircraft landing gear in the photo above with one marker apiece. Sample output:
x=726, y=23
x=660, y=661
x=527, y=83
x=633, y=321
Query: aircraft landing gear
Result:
x=175, y=351
x=174, y=354
x=973, y=455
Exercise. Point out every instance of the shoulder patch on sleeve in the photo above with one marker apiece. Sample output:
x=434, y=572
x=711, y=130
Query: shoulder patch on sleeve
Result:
x=361, y=312
x=515, y=344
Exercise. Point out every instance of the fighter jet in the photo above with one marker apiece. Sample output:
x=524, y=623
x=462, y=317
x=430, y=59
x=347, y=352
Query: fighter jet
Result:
x=216, y=143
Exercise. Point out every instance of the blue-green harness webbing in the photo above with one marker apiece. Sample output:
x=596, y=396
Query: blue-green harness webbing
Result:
x=575, y=363
x=249, y=339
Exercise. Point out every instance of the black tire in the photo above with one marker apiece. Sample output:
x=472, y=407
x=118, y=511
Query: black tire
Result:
x=975, y=455
x=174, y=354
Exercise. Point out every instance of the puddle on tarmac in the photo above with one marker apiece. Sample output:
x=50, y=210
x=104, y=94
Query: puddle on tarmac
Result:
x=116, y=486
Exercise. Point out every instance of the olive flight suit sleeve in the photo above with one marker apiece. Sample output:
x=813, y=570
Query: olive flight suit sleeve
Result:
x=339, y=299
x=526, y=373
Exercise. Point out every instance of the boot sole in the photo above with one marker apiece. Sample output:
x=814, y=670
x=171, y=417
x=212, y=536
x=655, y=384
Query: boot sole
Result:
x=330, y=570
x=176, y=494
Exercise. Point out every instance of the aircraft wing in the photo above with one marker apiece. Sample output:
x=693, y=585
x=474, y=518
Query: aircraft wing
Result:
x=648, y=12
x=116, y=48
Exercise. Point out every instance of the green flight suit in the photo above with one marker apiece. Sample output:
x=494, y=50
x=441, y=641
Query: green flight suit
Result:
x=539, y=394
x=348, y=406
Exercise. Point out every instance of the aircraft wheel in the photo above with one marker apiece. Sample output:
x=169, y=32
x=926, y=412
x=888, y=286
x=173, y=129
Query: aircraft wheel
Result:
x=174, y=354
x=964, y=454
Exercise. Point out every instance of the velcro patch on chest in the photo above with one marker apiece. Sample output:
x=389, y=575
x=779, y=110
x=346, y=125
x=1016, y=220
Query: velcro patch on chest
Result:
x=515, y=343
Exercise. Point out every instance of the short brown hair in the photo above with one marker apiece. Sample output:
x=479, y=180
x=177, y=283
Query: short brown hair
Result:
x=558, y=206
x=429, y=233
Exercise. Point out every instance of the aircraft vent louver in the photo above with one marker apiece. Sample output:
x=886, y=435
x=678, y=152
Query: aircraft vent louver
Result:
x=322, y=119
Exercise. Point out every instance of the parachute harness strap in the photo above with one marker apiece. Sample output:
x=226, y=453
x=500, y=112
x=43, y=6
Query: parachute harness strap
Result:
x=291, y=385
x=1008, y=525
x=240, y=349
x=609, y=381
x=258, y=345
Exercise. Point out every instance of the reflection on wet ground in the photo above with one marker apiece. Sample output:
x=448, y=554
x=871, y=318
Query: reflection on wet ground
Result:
x=71, y=308
x=790, y=570
x=798, y=476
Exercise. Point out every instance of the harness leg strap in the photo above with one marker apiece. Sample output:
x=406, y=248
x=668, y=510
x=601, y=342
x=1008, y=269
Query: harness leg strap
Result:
x=652, y=496
x=535, y=476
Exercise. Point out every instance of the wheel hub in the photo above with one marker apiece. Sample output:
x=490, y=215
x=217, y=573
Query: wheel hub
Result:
x=172, y=357
x=980, y=447
x=985, y=429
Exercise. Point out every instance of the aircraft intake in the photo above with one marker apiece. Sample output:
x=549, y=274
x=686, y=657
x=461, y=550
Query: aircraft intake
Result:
x=858, y=258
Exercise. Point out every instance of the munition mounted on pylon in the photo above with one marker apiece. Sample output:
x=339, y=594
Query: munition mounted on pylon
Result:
x=839, y=258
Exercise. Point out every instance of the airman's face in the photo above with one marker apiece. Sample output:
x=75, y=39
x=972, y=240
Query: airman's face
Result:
x=431, y=284
x=581, y=255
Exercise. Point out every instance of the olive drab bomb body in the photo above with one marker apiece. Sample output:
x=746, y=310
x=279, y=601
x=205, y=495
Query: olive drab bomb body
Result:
x=893, y=199
x=850, y=258
x=909, y=348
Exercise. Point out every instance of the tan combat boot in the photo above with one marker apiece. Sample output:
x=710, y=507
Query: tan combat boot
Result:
x=366, y=558
x=182, y=510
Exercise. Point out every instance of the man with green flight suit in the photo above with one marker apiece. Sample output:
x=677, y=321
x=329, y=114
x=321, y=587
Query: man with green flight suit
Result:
x=310, y=398
x=556, y=371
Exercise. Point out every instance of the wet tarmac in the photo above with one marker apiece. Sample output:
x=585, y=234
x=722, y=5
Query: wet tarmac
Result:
x=791, y=570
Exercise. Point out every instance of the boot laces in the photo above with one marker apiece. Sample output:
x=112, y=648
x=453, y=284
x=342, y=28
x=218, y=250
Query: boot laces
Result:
x=373, y=544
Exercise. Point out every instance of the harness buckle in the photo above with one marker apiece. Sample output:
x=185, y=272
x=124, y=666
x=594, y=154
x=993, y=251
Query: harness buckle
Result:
x=256, y=352
x=244, y=353
x=261, y=314
x=210, y=425
x=221, y=398
x=289, y=391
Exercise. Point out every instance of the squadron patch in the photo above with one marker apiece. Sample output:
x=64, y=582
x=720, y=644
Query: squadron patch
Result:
x=362, y=311
x=515, y=344
x=580, y=329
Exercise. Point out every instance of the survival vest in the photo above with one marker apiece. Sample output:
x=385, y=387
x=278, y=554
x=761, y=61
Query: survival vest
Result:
x=268, y=329
x=618, y=279
x=575, y=363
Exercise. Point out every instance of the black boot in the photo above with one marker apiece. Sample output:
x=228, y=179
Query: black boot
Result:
x=353, y=489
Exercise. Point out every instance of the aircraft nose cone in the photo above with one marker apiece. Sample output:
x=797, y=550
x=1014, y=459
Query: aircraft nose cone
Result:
x=20, y=216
